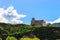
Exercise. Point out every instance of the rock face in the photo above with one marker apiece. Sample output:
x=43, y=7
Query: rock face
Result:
x=37, y=22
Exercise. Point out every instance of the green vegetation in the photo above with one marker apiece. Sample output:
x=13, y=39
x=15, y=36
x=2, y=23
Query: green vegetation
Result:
x=57, y=39
x=11, y=38
x=29, y=39
x=1, y=28
x=22, y=29
x=0, y=39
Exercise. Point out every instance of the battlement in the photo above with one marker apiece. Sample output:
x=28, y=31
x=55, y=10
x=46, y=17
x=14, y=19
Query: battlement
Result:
x=37, y=22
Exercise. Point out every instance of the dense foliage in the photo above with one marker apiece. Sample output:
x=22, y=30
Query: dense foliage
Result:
x=29, y=39
x=0, y=38
x=11, y=38
x=21, y=30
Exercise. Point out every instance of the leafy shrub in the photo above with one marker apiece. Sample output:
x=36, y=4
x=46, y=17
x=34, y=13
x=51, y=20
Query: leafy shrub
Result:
x=36, y=39
x=57, y=39
x=0, y=39
x=1, y=28
x=29, y=38
x=11, y=38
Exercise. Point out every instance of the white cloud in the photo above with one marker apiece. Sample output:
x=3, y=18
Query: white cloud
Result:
x=55, y=21
x=10, y=15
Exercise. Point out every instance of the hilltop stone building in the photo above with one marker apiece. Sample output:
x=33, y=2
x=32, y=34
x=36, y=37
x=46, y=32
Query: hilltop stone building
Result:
x=38, y=22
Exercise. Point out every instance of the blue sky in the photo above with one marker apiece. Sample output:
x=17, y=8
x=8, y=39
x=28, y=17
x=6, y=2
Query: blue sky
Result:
x=48, y=10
